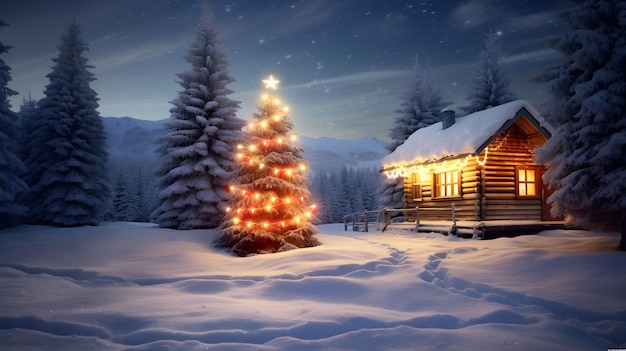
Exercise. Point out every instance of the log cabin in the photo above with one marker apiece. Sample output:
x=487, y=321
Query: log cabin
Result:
x=483, y=163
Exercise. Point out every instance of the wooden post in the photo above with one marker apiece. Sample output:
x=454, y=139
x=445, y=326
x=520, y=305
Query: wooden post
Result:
x=387, y=217
x=453, y=229
x=417, y=218
x=383, y=220
x=366, y=220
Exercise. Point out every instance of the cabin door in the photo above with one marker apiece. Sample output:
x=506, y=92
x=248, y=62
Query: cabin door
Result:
x=545, y=206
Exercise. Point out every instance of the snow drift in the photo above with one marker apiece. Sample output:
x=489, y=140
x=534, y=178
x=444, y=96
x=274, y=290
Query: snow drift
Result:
x=125, y=286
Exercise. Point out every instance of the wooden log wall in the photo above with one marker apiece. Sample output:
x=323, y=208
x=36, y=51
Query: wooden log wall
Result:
x=467, y=206
x=512, y=148
x=487, y=192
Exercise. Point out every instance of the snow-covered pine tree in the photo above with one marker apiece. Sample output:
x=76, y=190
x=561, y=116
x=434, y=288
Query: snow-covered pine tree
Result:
x=586, y=157
x=421, y=106
x=133, y=190
x=348, y=196
x=11, y=185
x=139, y=213
x=27, y=117
x=270, y=210
x=121, y=200
x=320, y=193
x=391, y=192
x=490, y=86
x=67, y=164
x=337, y=200
x=370, y=183
x=197, y=149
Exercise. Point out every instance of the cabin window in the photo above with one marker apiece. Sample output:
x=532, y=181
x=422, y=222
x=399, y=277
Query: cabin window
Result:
x=447, y=184
x=527, y=181
x=416, y=187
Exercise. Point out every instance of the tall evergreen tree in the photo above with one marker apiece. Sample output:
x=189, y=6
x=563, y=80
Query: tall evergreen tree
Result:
x=11, y=185
x=133, y=190
x=67, y=164
x=370, y=183
x=139, y=194
x=491, y=82
x=421, y=106
x=319, y=194
x=121, y=200
x=27, y=117
x=586, y=157
x=197, y=149
x=337, y=198
x=347, y=198
x=270, y=211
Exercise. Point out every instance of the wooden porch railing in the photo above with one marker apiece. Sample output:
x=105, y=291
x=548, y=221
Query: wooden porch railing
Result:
x=361, y=221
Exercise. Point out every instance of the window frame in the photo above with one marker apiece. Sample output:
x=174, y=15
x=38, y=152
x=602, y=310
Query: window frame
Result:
x=436, y=193
x=415, y=186
x=537, y=182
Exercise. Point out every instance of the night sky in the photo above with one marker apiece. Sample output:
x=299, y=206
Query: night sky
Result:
x=342, y=64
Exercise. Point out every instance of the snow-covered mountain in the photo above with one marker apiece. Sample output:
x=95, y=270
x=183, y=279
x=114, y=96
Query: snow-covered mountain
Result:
x=328, y=153
x=131, y=138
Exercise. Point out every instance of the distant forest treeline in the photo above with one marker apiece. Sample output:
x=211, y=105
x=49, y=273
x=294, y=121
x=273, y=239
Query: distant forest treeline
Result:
x=336, y=192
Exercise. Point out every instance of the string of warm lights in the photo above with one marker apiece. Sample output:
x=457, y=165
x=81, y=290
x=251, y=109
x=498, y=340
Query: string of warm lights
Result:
x=275, y=170
x=404, y=170
x=271, y=201
x=266, y=143
x=268, y=224
x=425, y=169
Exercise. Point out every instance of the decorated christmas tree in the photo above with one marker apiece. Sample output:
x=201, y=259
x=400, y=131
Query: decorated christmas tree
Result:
x=270, y=210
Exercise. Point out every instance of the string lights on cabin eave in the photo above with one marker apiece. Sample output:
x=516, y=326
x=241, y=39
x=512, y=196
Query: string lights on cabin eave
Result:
x=405, y=169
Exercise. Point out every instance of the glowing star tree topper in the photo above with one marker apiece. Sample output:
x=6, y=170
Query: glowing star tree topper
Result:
x=271, y=83
x=270, y=211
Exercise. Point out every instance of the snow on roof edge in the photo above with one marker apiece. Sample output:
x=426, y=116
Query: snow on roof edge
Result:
x=433, y=143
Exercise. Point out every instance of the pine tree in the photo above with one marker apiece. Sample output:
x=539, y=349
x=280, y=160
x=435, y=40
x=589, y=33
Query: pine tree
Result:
x=66, y=167
x=370, y=183
x=121, y=199
x=270, y=211
x=348, y=194
x=27, y=117
x=197, y=149
x=421, y=107
x=11, y=186
x=391, y=192
x=319, y=190
x=139, y=195
x=585, y=157
x=491, y=83
x=337, y=198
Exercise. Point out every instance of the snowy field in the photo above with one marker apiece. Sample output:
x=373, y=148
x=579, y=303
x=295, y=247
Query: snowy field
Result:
x=124, y=286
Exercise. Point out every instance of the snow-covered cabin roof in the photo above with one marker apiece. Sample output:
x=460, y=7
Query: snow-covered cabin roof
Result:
x=468, y=135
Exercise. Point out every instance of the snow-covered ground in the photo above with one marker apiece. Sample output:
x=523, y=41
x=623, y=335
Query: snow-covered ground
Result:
x=124, y=286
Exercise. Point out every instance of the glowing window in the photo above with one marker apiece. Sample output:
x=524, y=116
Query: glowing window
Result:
x=527, y=182
x=447, y=184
